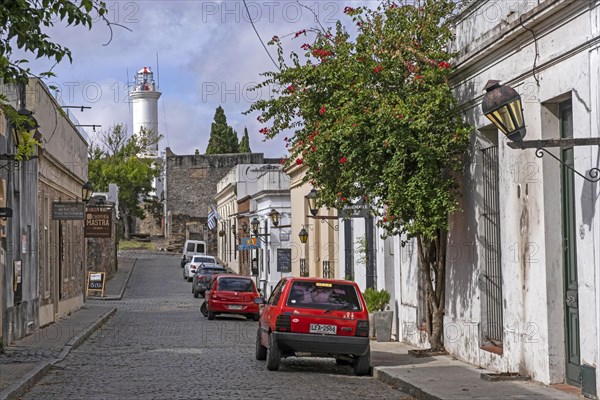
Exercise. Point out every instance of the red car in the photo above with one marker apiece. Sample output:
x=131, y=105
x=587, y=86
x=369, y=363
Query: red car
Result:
x=314, y=317
x=231, y=294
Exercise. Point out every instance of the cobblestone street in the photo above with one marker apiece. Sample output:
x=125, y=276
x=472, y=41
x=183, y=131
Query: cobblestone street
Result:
x=158, y=346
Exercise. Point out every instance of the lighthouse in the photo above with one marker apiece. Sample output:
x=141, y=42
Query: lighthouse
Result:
x=144, y=99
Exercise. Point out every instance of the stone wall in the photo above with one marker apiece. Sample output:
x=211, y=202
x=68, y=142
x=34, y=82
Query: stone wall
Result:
x=192, y=185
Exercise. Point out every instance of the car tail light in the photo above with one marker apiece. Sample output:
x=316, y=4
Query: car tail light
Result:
x=362, y=328
x=283, y=323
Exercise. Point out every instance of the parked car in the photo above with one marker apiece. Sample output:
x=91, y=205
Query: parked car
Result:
x=232, y=294
x=203, y=276
x=314, y=317
x=192, y=248
x=190, y=268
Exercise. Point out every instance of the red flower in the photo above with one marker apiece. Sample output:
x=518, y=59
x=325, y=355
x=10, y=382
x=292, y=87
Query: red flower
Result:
x=321, y=53
x=264, y=130
x=411, y=67
x=343, y=160
x=282, y=161
x=378, y=69
x=360, y=59
x=339, y=194
x=305, y=46
x=418, y=77
x=313, y=148
x=290, y=88
x=322, y=110
x=299, y=161
x=349, y=10
x=300, y=33
x=384, y=219
x=444, y=65
x=343, y=199
x=275, y=38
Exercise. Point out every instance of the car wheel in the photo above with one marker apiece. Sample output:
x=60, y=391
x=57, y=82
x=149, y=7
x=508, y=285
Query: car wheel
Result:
x=190, y=279
x=362, y=364
x=203, y=309
x=211, y=315
x=196, y=294
x=261, y=351
x=273, y=355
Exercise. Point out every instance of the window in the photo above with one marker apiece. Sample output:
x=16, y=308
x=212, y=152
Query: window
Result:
x=235, y=285
x=491, y=274
x=323, y=295
x=276, y=294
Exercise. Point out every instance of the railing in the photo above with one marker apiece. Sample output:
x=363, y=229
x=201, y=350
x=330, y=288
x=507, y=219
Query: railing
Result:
x=303, y=267
x=328, y=271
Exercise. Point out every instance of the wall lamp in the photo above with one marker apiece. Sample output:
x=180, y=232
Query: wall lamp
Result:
x=311, y=199
x=86, y=191
x=502, y=105
x=303, y=235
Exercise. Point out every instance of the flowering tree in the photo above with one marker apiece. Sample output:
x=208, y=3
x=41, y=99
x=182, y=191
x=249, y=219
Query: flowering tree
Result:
x=373, y=117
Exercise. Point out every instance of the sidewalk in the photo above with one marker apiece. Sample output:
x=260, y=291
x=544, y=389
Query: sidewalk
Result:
x=27, y=360
x=443, y=377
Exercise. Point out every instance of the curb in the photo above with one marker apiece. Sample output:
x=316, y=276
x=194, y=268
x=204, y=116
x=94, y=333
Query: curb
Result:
x=120, y=295
x=402, y=385
x=17, y=389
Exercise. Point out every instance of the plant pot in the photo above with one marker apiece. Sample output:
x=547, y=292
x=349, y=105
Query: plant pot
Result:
x=382, y=321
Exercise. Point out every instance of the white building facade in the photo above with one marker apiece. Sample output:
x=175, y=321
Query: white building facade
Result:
x=523, y=263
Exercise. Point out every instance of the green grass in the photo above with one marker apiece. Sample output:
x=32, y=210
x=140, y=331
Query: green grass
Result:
x=135, y=245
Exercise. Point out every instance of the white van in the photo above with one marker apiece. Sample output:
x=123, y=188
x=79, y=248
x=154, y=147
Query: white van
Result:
x=192, y=248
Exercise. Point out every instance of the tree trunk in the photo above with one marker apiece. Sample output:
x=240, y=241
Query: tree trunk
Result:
x=432, y=263
x=126, y=227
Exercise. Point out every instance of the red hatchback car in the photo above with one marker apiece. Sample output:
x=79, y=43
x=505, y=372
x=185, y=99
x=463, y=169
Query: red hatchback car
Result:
x=231, y=294
x=314, y=317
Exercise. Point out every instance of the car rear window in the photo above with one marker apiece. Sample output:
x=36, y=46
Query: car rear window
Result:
x=212, y=271
x=204, y=260
x=235, y=285
x=323, y=295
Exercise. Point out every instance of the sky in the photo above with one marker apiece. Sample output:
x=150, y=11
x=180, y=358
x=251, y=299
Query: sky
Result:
x=208, y=55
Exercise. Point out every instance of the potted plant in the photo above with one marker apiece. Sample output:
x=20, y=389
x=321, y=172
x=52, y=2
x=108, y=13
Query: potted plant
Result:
x=378, y=307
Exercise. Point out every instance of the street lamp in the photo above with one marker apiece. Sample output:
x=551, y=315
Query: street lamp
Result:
x=274, y=214
x=233, y=231
x=86, y=191
x=303, y=235
x=501, y=104
x=255, y=223
x=311, y=198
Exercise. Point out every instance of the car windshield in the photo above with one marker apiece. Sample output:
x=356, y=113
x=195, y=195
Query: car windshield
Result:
x=235, y=285
x=323, y=295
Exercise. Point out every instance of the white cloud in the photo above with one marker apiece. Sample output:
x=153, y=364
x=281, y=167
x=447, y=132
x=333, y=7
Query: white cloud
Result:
x=209, y=56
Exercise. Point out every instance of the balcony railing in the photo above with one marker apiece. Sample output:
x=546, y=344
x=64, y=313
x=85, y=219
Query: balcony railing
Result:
x=303, y=267
x=328, y=271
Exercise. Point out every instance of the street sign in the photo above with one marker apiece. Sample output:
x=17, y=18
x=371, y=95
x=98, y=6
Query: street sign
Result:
x=98, y=224
x=356, y=210
x=249, y=243
x=67, y=211
x=284, y=236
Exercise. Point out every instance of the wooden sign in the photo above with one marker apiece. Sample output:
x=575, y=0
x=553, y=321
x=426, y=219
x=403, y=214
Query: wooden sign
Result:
x=67, y=211
x=284, y=260
x=95, y=282
x=98, y=224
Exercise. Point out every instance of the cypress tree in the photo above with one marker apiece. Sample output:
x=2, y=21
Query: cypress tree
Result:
x=245, y=143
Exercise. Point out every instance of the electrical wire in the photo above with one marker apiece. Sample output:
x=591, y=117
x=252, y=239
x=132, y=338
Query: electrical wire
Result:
x=258, y=35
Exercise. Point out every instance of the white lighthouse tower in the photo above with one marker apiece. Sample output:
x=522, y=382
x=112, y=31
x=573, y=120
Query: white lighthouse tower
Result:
x=144, y=100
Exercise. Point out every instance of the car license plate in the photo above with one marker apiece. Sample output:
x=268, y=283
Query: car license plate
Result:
x=325, y=329
x=235, y=307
